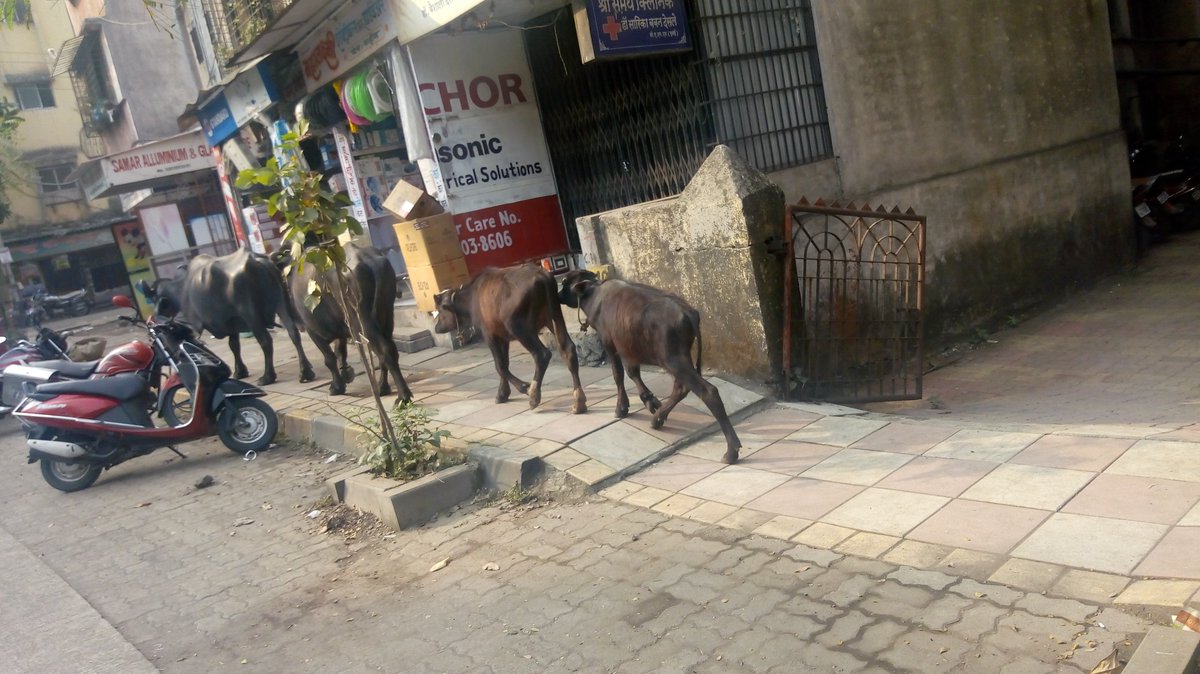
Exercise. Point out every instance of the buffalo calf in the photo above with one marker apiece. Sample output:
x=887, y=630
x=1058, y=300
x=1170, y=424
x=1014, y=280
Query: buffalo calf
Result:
x=640, y=325
x=513, y=303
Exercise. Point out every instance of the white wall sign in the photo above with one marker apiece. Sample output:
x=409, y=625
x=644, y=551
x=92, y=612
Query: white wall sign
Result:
x=477, y=92
x=164, y=229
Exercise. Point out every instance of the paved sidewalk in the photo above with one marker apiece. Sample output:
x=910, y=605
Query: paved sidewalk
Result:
x=237, y=577
x=40, y=609
x=1080, y=509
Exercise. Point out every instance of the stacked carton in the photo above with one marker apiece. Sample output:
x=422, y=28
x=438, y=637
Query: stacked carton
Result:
x=429, y=242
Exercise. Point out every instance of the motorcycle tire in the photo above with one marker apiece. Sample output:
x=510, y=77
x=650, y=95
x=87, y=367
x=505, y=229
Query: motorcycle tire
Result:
x=80, y=309
x=247, y=424
x=69, y=476
x=177, y=409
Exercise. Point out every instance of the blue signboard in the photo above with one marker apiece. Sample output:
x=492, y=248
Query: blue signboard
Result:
x=217, y=120
x=635, y=27
x=250, y=92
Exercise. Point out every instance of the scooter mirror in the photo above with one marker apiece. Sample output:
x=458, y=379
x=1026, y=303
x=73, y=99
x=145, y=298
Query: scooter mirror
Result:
x=122, y=301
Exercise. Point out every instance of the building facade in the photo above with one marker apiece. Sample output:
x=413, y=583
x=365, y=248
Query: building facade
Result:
x=52, y=224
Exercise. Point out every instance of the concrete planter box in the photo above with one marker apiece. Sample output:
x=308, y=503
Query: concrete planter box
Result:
x=406, y=504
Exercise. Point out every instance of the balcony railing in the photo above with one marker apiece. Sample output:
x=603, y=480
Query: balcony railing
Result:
x=234, y=24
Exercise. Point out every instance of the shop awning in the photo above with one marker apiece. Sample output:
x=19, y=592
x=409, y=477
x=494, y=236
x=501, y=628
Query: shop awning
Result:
x=413, y=19
x=147, y=165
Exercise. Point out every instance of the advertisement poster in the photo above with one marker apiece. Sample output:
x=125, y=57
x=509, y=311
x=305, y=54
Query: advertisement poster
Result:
x=477, y=92
x=135, y=251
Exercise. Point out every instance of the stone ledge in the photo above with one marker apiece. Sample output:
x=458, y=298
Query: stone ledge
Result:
x=502, y=468
x=402, y=505
x=1166, y=651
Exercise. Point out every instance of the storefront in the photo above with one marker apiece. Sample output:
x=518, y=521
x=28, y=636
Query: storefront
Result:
x=171, y=190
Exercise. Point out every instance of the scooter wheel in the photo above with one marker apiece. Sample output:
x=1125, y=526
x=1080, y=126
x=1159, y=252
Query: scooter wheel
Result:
x=69, y=476
x=80, y=309
x=247, y=424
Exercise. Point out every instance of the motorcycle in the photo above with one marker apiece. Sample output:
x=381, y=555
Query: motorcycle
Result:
x=41, y=306
x=47, y=346
x=78, y=429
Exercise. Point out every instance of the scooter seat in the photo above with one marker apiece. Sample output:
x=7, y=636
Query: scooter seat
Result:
x=118, y=387
x=68, y=368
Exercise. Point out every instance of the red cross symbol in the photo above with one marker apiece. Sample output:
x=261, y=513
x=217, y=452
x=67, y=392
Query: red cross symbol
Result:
x=611, y=27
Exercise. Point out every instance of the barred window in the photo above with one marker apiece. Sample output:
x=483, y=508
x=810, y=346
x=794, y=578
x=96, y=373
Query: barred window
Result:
x=764, y=80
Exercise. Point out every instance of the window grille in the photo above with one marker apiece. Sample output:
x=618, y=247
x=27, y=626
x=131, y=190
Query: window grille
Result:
x=54, y=178
x=633, y=130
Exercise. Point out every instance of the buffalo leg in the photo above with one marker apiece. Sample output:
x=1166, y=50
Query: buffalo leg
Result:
x=648, y=398
x=337, y=386
x=528, y=337
x=385, y=349
x=268, y=348
x=343, y=362
x=569, y=355
x=678, y=392
x=614, y=361
x=379, y=336
x=712, y=399
x=499, y=349
x=235, y=346
x=306, y=368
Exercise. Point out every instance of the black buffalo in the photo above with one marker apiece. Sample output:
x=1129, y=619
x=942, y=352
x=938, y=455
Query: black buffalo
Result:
x=641, y=325
x=507, y=304
x=226, y=295
x=375, y=285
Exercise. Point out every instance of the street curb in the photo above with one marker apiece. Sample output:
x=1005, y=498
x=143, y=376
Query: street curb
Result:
x=1166, y=650
x=702, y=434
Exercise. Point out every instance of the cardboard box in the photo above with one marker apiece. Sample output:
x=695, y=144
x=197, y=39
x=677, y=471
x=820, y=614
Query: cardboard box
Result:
x=428, y=240
x=410, y=202
x=427, y=281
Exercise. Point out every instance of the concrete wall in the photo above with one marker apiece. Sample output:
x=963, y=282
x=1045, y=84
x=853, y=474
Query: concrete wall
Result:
x=708, y=246
x=150, y=59
x=997, y=120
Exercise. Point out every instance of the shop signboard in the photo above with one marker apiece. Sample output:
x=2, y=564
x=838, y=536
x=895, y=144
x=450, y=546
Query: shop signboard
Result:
x=143, y=165
x=477, y=92
x=248, y=94
x=621, y=28
x=345, y=39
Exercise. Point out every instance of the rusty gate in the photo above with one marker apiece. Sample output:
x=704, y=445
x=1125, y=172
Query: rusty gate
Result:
x=853, y=299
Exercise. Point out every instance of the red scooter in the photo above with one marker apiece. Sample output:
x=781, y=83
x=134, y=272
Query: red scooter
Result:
x=77, y=429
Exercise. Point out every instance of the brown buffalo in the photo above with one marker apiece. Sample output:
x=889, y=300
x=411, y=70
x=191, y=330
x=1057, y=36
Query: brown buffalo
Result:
x=640, y=325
x=513, y=303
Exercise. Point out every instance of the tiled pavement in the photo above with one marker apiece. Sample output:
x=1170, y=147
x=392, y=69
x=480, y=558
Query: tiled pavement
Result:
x=1097, y=476
x=1048, y=503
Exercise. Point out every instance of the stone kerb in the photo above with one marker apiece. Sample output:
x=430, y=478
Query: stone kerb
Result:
x=402, y=505
x=709, y=246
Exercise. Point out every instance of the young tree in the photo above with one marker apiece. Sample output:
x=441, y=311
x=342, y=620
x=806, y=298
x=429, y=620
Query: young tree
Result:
x=9, y=121
x=315, y=220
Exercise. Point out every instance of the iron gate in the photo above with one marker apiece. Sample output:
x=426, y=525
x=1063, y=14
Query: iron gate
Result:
x=858, y=296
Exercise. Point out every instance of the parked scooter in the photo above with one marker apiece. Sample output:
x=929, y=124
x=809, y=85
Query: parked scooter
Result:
x=172, y=401
x=47, y=346
x=77, y=429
